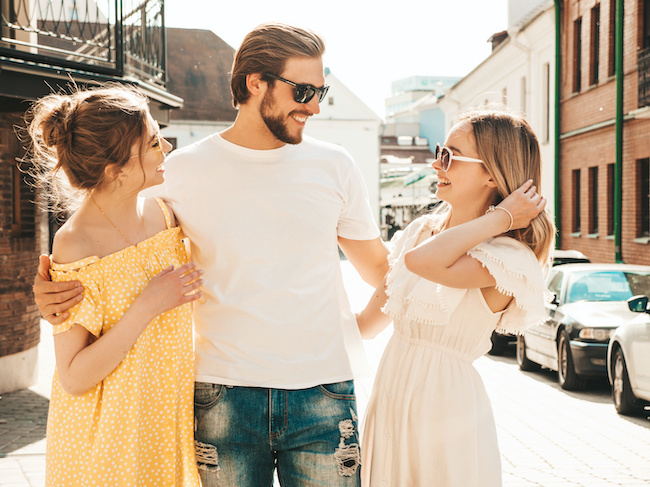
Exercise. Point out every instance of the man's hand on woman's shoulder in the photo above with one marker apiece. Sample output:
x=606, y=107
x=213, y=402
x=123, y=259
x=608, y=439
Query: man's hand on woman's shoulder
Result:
x=54, y=298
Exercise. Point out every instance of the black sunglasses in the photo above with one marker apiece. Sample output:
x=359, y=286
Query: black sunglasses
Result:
x=303, y=93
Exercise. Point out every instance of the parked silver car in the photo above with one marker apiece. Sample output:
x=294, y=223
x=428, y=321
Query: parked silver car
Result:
x=628, y=360
x=589, y=304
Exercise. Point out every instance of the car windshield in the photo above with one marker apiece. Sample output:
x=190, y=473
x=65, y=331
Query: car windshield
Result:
x=606, y=285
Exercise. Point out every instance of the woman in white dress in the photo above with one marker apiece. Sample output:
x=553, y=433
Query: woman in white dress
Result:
x=456, y=275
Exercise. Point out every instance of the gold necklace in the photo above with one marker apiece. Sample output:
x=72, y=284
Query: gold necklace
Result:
x=115, y=226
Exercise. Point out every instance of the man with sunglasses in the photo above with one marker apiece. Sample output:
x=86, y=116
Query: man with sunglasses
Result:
x=264, y=209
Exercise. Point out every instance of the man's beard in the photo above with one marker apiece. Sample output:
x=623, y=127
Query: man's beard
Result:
x=276, y=123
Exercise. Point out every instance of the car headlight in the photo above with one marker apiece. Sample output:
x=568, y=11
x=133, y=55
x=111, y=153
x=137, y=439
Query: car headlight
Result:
x=600, y=334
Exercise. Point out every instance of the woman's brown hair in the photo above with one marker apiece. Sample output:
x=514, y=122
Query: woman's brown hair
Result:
x=81, y=134
x=266, y=50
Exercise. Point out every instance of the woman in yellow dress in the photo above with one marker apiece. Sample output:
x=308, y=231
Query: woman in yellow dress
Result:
x=122, y=394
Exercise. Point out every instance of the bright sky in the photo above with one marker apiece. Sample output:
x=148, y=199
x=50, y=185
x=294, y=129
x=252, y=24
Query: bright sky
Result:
x=368, y=44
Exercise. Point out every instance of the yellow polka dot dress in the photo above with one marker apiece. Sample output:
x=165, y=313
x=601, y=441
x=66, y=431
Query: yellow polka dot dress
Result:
x=135, y=428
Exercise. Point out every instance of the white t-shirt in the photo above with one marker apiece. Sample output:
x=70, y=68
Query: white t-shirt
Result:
x=263, y=225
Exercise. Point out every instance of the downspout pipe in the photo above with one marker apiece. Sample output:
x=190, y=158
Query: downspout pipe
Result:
x=556, y=121
x=618, y=166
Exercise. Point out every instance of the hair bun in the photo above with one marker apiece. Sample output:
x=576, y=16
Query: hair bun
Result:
x=57, y=127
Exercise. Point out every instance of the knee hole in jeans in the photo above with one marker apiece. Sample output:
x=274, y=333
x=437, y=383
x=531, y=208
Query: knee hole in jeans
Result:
x=347, y=455
x=207, y=457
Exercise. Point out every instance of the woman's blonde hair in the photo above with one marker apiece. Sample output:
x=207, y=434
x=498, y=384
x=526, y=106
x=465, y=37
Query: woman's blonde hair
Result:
x=510, y=153
x=81, y=134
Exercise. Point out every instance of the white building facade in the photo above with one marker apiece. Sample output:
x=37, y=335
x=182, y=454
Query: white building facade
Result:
x=518, y=74
x=347, y=121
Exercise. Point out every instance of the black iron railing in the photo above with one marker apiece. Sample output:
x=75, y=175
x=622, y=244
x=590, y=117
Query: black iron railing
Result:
x=643, y=61
x=117, y=37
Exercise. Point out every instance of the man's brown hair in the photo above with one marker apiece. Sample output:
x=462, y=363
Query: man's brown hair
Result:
x=266, y=50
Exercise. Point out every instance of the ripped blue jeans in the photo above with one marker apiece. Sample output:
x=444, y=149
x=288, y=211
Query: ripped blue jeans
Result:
x=244, y=433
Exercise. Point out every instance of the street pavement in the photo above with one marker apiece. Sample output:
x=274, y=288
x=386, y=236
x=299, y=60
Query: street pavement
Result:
x=548, y=437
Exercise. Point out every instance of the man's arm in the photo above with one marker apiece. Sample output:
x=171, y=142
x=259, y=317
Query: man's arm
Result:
x=369, y=258
x=371, y=321
x=54, y=298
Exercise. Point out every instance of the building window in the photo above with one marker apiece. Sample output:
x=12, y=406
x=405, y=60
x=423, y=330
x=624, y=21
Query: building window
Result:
x=504, y=97
x=610, y=199
x=575, y=182
x=643, y=192
x=593, y=200
x=523, y=95
x=21, y=209
x=546, y=102
x=330, y=101
x=611, y=64
x=577, y=54
x=594, y=50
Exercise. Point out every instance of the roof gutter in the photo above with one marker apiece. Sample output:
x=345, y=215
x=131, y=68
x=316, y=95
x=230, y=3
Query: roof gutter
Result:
x=557, y=132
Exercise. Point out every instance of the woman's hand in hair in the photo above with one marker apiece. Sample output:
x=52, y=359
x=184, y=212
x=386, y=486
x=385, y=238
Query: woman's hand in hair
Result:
x=524, y=204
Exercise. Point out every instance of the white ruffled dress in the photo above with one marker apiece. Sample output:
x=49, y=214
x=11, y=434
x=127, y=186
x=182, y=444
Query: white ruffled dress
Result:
x=429, y=421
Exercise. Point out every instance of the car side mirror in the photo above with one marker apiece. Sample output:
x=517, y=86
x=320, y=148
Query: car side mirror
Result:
x=639, y=304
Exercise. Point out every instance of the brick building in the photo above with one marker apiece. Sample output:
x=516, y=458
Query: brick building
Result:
x=589, y=104
x=22, y=234
x=45, y=50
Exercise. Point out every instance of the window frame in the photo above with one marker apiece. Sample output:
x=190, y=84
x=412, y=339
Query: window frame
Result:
x=576, y=223
x=577, y=55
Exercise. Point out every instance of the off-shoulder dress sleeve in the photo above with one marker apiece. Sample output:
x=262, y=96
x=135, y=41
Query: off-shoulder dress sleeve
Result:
x=517, y=273
x=410, y=296
x=89, y=313
x=402, y=242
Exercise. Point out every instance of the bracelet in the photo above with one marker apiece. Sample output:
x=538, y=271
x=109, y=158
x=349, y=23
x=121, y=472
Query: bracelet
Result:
x=494, y=208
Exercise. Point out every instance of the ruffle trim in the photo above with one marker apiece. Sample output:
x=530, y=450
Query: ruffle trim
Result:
x=508, y=279
x=401, y=243
x=417, y=310
x=518, y=274
x=158, y=245
x=419, y=319
x=85, y=313
x=512, y=264
x=158, y=251
x=411, y=297
x=507, y=328
x=401, y=240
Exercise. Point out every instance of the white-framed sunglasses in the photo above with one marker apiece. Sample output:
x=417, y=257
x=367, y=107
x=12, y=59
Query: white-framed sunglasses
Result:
x=446, y=156
x=159, y=139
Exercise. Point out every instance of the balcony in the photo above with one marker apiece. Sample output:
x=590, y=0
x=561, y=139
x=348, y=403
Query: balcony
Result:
x=644, y=77
x=44, y=43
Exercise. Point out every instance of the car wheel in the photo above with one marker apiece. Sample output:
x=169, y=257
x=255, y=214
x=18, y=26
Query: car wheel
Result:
x=567, y=377
x=522, y=359
x=624, y=400
x=499, y=344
